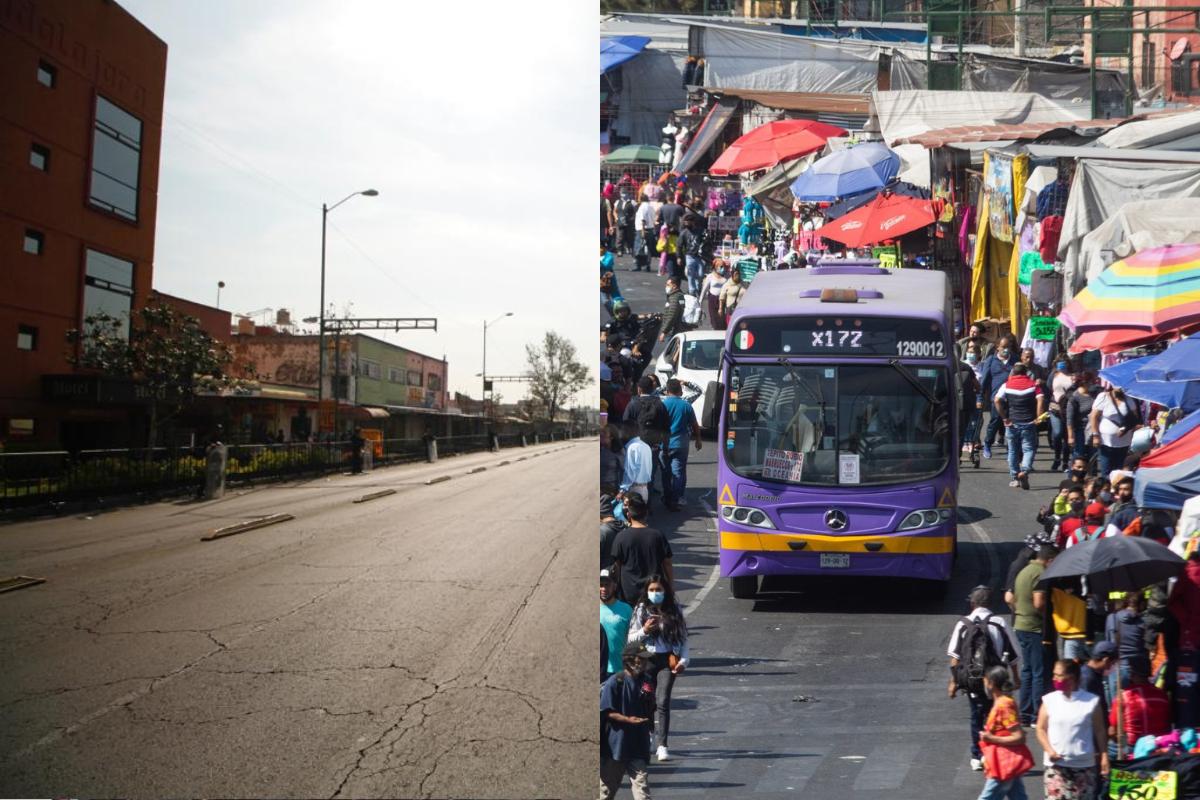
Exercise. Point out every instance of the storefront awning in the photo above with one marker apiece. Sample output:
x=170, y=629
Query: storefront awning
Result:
x=375, y=413
x=708, y=134
x=616, y=50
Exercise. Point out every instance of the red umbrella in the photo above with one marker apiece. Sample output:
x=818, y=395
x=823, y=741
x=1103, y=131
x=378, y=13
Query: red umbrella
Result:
x=885, y=217
x=772, y=143
x=1114, y=340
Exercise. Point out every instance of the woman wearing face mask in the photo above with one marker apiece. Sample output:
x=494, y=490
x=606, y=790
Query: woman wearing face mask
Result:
x=714, y=281
x=1113, y=420
x=1073, y=732
x=658, y=623
x=1060, y=383
x=731, y=294
x=1079, y=411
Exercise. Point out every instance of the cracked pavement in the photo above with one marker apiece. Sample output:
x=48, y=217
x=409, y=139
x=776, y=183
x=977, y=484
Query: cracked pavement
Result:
x=426, y=644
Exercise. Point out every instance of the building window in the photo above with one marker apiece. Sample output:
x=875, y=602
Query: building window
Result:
x=26, y=337
x=1148, y=65
x=341, y=386
x=368, y=369
x=35, y=242
x=108, y=288
x=435, y=382
x=116, y=160
x=414, y=379
x=39, y=157
x=47, y=74
x=395, y=375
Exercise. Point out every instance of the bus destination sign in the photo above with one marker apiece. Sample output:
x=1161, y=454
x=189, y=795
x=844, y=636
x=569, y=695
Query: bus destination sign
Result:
x=840, y=336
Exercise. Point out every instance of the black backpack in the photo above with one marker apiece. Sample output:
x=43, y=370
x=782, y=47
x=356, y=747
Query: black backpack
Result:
x=650, y=411
x=977, y=654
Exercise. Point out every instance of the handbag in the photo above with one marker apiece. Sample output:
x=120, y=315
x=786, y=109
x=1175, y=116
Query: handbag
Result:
x=1005, y=761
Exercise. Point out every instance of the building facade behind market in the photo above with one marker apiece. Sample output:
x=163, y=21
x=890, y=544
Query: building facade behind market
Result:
x=80, y=132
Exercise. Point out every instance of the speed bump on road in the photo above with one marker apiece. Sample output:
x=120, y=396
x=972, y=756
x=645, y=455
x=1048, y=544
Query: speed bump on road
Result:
x=14, y=582
x=503, y=463
x=441, y=479
x=242, y=527
x=375, y=495
x=477, y=469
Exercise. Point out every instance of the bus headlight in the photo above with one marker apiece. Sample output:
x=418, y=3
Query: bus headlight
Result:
x=925, y=518
x=752, y=517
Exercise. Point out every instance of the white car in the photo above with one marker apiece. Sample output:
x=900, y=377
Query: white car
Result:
x=693, y=358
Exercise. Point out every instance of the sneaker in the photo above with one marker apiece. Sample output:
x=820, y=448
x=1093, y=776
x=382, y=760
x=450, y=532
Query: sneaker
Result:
x=966, y=448
x=663, y=755
x=1023, y=480
x=1014, y=484
x=987, y=451
x=976, y=764
x=1056, y=466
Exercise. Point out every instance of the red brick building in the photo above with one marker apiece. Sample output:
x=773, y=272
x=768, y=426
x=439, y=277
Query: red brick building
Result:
x=80, y=132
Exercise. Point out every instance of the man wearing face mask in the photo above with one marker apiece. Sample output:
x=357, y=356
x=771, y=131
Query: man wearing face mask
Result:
x=996, y=369
x=626, y=711
x=978, y=335
x=1124, y=510
x=1079, y=411
x=1019, y=403
x=1077, y=504
x=672, y=310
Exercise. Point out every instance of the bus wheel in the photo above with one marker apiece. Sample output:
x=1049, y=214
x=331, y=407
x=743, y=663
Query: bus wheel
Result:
x=934, y=590
x=745, y=587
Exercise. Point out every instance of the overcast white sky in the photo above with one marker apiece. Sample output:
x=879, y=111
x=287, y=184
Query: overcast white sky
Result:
x=474, y=120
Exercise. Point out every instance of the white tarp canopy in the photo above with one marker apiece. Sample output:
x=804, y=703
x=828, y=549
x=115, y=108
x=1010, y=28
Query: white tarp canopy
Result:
x=1174, y=132
x=910, y=112
x=1138, y=226
x=1100, y=189
x=914, y=164
x=772, y=62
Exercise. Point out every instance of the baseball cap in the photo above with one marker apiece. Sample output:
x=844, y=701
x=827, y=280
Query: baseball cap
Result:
x=606, y=575
x=1095, y=511
x=636, y=649
x=1104, y=650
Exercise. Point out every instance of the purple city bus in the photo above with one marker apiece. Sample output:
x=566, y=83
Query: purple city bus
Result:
x=838, y=408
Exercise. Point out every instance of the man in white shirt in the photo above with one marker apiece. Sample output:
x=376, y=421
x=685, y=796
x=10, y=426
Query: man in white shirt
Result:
x=1005, y=647
x=643, y=233
x=639, y=464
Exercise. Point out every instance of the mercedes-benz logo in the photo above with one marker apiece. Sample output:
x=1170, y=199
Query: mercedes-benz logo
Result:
x=836, y=520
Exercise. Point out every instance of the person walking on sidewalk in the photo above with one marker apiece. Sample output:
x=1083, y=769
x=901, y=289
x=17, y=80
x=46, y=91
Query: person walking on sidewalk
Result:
x=714, y=281
x=1030, y=608
x=995, y=372
x=675, y=454
x=643, y=232
x=626, y=703
x=640, y=552
x=981, y=640
x=1019, y=402
x=658, y=623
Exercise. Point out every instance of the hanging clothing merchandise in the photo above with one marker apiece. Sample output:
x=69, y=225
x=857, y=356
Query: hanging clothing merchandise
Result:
x=1051, y=231
x=682, y=139
x=689, y=72
x=1029, y=262
x=1045, y=287
x=668, y=144
x=752, y=211
x=965, y=231
x=1052, y=200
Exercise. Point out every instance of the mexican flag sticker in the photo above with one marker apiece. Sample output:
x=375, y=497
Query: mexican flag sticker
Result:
x=743, y=340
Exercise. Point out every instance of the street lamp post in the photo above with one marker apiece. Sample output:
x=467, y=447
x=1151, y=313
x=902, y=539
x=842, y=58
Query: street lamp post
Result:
x=483, y=396
x=321, y=318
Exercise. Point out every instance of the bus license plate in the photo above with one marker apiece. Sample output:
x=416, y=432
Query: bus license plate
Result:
x=835, y=560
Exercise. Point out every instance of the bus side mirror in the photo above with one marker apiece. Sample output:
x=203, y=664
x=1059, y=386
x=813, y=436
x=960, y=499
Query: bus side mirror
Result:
x=714, y=395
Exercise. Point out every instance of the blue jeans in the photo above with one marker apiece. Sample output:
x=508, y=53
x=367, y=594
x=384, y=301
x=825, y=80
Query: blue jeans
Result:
x=980, y=707
x=675, y=465
x=1083, y=443
x=993, y=427
x=1112, y=458
x=1021, y=438
x=641, y=260
x=1033, y=675
x=1013, y=789
x=694, y=267
x=1075, y=648
x=1058, y=440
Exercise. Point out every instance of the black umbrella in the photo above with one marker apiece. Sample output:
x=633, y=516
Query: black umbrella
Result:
x=1115, y=564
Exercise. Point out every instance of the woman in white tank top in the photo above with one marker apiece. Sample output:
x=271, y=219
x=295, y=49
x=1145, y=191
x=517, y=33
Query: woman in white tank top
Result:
x=1073, y=733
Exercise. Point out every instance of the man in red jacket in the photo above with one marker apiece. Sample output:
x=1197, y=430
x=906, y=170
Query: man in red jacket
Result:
x=1019, y=402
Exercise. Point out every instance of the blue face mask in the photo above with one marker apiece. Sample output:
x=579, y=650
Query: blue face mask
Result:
x=1061, y=365
x=655, y=597
x=619, y=513
x=666, y=290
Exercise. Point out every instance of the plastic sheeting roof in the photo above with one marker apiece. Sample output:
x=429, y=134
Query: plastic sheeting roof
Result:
x=1138, y=226
x=1167, y=131
x=998, y=133
x=910, y=113
x=616, y=50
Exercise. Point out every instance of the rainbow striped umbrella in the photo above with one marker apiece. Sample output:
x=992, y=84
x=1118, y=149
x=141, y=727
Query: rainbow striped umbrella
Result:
x=1156, y=290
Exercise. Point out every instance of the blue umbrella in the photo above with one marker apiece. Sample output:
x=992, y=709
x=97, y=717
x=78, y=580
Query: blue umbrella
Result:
x=1180, y=362
x=856, y=169
x=1167, y=487
x=1172, y=394
x=616, y=50
x=1188, y=423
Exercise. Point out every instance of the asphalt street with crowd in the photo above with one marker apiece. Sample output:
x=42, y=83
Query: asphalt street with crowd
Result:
x=828, y=688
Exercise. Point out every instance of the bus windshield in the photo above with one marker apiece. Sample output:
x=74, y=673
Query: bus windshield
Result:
x=838, y=424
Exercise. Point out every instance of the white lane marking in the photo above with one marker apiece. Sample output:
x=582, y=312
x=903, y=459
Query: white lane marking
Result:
x=887, y=767
x=711, y=522
x=990, y=548
x=791, y=774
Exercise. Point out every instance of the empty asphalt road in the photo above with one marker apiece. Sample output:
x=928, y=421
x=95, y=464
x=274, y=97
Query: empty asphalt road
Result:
x=429, y=643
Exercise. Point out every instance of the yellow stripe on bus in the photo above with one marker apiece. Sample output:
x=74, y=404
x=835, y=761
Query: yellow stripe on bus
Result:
x=816, y=543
